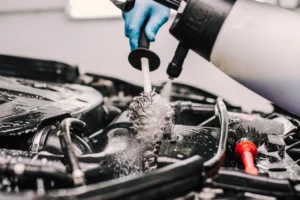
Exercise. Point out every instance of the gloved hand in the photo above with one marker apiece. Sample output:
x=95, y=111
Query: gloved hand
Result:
x=158, y=15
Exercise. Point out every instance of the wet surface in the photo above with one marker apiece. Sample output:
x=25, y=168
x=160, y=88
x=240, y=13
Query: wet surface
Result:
x=261, y=124
x=190, y=141
x=25, y=104
x=276, y=165
x=268, y=136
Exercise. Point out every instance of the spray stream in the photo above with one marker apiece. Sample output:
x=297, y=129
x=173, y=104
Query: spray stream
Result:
x=167, y=90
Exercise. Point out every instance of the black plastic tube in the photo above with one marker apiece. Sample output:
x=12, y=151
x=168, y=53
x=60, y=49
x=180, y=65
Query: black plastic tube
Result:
x=213, y=165
x=37, y=171
x=68, y=149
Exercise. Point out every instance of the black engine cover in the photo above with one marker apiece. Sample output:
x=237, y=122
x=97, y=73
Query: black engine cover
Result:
x=26, y=104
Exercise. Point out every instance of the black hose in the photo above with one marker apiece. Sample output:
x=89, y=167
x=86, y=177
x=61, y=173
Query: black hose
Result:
x=68, y=149
x=83, y=143
x=240, y=181
x=296, y=144
x=36, y=171
x=289, y=134
x=102, y=135
x=214, y=164
x=294, y=151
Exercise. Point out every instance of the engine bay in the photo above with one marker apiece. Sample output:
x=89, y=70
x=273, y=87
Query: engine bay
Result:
x=69, y=135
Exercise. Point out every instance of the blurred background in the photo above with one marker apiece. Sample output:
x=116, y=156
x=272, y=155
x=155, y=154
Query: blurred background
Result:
x=90, y=34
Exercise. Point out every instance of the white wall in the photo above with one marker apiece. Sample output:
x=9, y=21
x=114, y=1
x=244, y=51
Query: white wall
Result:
x=99, y=46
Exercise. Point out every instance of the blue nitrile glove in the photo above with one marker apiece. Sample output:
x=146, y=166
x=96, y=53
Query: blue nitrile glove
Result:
x=158, y=15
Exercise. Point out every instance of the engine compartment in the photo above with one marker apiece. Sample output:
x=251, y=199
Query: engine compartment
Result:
x=52, y=128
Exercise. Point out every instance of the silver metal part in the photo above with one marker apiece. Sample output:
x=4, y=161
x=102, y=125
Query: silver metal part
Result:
x=78, y=177
x=37, y=140
x=124, y=5
x=19, y=169
x=40, y=187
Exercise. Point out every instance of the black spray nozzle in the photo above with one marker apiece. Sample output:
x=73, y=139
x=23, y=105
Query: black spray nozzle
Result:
x=175, y=67
x=173, y=4
x=143, y=51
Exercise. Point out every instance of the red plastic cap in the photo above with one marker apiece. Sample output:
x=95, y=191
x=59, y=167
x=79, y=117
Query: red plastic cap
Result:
x=247, y=152
x=245, y=146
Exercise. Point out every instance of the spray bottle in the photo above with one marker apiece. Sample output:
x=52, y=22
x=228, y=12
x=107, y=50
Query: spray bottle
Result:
x=255, y=43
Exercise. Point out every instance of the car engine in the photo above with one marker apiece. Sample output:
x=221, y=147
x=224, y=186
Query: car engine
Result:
x=68, y=135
